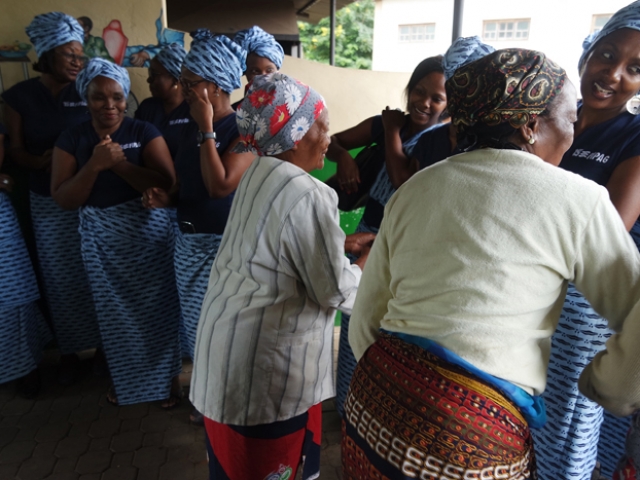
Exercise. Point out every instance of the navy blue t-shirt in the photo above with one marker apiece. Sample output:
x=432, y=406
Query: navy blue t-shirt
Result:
x=3, y=130
x=429, y=147
x=109, y=189
x=208, y=215
x=44, y=118
x=171, y=125
x=598, y=150
x=433, y=146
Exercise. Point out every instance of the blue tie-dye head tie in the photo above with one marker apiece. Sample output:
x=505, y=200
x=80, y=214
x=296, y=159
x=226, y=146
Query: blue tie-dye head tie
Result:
x=99, y=67
x=217, y=59
x=50, y=30
x=255, y=40
x=275, y=114
x=171, y=58
x=464, y=50
x=627, y=17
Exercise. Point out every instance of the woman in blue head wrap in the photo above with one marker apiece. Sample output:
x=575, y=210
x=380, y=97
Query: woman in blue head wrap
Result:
x=167, y=108
x=36, y=112
x=101, y=167
x=208, y=170
x=606, y=149
x=434, y=141
x=264, y=53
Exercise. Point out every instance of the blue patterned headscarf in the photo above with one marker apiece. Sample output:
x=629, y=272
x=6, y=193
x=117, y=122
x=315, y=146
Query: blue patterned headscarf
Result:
x=99, y=67
x=464, y=50
x=217, y=59
x=256, y=40
x=171, y=58
x=50, y=30
x=275, y=114
x=627, y=17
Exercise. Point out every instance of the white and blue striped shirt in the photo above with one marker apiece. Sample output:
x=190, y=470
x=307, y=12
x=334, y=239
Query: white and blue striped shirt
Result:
x=264, y=345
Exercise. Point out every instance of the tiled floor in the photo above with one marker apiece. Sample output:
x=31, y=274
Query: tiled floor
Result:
x=73, y=433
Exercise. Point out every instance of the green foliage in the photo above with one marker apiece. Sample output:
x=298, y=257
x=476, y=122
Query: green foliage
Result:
x=354, y=37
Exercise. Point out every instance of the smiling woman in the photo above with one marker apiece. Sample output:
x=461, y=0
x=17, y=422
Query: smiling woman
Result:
x=605, y=149
x=102, y=167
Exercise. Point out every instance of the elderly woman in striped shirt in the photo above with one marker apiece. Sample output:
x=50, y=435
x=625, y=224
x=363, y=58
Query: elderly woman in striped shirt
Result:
x=263, y=359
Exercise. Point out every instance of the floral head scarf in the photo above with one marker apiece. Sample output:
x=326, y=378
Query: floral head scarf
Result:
x=508, y=86
x=50, y=30
x=275, y=114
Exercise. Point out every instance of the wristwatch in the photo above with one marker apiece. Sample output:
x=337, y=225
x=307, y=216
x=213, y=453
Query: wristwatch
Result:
x=202, y=136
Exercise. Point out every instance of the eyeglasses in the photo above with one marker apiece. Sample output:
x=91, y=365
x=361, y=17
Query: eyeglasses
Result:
x=190, y=85
x=152, y=74
x=74, y=58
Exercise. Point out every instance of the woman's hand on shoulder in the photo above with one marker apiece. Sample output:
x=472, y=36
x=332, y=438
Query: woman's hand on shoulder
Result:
x=107, y=154
x=392, y=119
x=156, y=198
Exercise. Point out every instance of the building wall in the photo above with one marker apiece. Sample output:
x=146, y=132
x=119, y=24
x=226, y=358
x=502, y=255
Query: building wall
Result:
x=557, y=28
x=352, y=95
x=137, y=17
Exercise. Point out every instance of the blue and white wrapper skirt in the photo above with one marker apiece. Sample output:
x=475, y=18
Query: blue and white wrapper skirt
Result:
x=128, y=256
x=346, y=360
x=578, y=431
x=65, y=283
x=23, y=331
x=194, y=256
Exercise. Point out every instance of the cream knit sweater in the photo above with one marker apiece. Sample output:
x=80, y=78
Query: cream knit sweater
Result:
x=475, y=253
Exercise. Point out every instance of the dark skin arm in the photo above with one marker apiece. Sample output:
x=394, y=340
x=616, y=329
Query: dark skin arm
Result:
x=221, y=174
x=356, y=242
x=158, y=168
x=354, y=137
x=17, y=148
x=400, y=168
x=71, y=187
x=624, y=190
x=160, y=198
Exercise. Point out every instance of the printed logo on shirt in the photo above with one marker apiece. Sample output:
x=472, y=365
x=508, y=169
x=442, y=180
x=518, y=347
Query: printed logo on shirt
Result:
x=178, y=121
x=74, y=104
x=127, y=146
x=595, y=156
x=283, y=473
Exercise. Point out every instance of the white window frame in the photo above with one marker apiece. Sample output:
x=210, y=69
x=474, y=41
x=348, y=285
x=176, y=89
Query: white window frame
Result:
x=599, y=16
x=417, y=33
x=509, y=28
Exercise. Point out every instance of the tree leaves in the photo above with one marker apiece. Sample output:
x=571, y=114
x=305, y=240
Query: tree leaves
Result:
x=354, y=37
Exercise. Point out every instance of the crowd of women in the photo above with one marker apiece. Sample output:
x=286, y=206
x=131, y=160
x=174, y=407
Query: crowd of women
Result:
x=497, y=312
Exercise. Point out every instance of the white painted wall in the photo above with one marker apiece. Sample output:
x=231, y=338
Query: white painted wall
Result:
x=557, y=28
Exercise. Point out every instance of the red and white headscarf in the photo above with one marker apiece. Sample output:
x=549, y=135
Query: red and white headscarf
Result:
x=275, y=114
